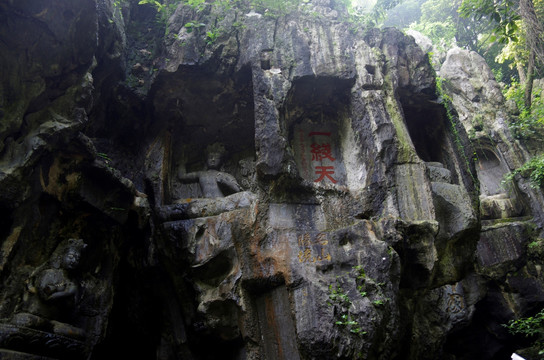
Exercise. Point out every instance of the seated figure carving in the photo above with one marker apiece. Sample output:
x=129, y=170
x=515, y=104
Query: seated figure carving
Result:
x=52, y=289
x=220, y=190
x=213, y=183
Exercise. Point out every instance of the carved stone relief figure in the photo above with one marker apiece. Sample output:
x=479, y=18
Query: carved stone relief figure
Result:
x=52, y=289
x=220, y=190
x=247, y=172
x=213, y=183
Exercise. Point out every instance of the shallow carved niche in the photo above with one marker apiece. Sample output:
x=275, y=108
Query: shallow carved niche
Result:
x=491, y=171
x=496, y=201
x=315, y=113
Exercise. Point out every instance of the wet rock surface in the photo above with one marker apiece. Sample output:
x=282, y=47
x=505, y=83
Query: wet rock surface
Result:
x=280, y=186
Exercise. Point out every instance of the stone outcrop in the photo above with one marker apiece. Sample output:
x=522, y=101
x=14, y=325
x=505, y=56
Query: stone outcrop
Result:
x=509, y=210
x=279, y=185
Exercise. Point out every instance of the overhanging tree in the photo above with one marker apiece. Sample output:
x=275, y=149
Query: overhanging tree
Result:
x=507, y=16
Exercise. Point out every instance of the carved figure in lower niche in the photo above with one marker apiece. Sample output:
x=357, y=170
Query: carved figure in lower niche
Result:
x=213, y=183
x=54, y=281
x=52, y=289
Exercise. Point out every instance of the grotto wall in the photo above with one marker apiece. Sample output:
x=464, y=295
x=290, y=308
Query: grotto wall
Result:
x=291, y=187
x=511, y=211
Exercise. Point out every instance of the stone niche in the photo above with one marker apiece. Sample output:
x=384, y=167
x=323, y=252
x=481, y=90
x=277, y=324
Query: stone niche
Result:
x=427, y=125
x=202, y=109
x=316, y=114
x=498, y=200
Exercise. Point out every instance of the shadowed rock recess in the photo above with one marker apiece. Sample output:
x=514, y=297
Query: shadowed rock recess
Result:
x=251, y=186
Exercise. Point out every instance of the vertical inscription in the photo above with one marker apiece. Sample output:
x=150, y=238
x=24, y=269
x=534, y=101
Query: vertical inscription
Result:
x=322, y=154
x=318, y=155
x=313, y=248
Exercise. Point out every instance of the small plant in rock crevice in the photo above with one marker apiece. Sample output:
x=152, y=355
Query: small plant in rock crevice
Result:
x=193, y=26
x=211, y=36
x=343, y=305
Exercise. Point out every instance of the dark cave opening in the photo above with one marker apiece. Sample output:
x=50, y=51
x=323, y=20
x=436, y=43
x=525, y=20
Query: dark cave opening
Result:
x=133, y=331
x=426, y=130
x=428, y=125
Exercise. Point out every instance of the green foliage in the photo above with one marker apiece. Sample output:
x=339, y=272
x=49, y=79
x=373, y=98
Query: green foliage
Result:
x=404, y=14
x=499, y=12
x=107, y=160
x=533, y=244
x=531, y=327
x=212, y=35
x=196, y=4
x=360, y=272
x=191, y=25
x=158, y=5
x=441, y=22
x=165, y=8
x=530, y=123
x=117, y=10
x=104, y=156
x=337, y=295
x=533, y=169
x=535, y=249
x=441, y=33
x=370, y=16
x=438, y=10
x=341, y=302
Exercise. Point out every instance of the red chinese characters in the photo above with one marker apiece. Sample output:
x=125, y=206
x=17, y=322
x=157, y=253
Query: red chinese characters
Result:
x=320, y=153
x=325, y=172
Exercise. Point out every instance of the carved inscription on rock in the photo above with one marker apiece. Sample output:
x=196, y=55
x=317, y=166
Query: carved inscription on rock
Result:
x=313, y=248
x=318, y=156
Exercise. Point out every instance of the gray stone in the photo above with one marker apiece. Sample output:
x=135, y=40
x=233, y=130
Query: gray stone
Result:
x=499, y=207
x=438, y=173
x=500, y=244
x=453, y=208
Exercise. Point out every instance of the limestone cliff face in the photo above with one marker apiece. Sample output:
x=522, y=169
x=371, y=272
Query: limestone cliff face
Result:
x=247, y=185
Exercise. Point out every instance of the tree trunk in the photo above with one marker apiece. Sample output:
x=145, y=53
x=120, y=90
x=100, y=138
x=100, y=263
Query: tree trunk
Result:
x=534, y=31
x=533, y=28
x=521, y=69
x=529, y=80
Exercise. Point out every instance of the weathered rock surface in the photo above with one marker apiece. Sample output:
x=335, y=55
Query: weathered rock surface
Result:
x=509, y=210
x=348, y=224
